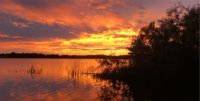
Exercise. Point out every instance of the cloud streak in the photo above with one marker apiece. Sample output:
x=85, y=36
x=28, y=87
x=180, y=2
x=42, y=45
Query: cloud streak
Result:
x=2, y=35
x=75, y=26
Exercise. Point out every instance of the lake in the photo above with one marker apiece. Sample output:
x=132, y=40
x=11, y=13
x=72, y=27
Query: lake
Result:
x=49, y=79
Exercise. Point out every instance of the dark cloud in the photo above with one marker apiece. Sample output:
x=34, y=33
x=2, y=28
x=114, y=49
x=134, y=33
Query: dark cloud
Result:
x=99, y=3
x=36, y=30
x=141, y=7
x=4, y=39
x=22, y=21
x=121, y=36
x=40, y=3
x=143, y=12
x=140, y=22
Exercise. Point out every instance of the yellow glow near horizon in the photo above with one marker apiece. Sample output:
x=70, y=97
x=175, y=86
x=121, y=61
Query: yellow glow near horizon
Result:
x=104, y=43
x=78, y=27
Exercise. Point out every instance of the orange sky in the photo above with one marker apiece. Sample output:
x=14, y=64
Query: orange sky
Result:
x=76, y=27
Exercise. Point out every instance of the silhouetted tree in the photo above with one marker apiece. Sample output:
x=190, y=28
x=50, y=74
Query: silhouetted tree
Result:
x=176, y=40
x=165, y=59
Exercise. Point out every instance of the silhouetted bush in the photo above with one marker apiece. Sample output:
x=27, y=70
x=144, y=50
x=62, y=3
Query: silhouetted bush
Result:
x=165, y=59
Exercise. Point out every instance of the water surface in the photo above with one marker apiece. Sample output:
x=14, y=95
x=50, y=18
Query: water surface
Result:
x=49, y=80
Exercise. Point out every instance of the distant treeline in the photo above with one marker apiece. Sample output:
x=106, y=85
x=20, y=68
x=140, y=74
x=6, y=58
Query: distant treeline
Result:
x=39, y=55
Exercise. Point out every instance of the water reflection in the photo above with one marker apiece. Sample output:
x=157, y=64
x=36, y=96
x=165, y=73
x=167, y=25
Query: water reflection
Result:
x=48, y=80
x=115, y=91
x=57, y=80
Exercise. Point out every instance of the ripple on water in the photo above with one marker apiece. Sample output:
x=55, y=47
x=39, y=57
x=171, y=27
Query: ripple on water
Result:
x=53, y=83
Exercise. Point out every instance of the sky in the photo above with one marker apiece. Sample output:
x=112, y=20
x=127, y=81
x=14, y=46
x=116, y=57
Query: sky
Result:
x=76, y=27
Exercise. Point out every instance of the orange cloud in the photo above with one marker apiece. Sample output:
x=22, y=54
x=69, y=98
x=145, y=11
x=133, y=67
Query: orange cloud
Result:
x=77, y=15
x=99, y=26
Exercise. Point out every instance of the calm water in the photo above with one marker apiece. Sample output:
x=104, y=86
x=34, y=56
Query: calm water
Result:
x=49, y=80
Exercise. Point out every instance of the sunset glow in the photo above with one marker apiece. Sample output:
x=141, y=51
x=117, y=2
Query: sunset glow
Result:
x=76, y=27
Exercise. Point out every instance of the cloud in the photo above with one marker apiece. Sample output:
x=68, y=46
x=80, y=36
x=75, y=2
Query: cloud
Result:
x=132, y=4
x=100, y=4
x=142, y=13
x=75, y=26
x=3, y=35
x=100, y=43
x=37, y=31
x=75, y=14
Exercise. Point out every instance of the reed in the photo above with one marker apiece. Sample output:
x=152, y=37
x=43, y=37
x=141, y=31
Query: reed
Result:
x=33, y=70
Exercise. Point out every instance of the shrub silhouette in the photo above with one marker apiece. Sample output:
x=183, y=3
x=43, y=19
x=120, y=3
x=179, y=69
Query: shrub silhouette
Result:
x=165, y=59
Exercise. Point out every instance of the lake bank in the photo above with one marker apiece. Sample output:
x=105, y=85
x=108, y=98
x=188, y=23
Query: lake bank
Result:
x=156, y=84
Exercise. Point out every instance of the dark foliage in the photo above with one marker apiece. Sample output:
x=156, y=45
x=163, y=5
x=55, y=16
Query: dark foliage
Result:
x=115, y=92
x=165, y=59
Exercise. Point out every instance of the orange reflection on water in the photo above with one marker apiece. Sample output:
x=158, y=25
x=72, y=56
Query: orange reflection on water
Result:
x=48, y=79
